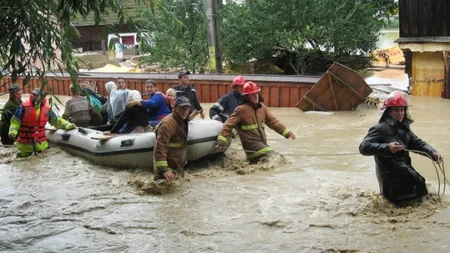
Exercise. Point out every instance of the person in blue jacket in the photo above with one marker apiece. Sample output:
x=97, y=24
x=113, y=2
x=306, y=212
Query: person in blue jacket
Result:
x=226, y=104
x=156, y=106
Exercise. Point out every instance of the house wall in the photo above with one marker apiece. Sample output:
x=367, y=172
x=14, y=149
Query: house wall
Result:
x=91, y=38
x=424, y=18
x=428, y=74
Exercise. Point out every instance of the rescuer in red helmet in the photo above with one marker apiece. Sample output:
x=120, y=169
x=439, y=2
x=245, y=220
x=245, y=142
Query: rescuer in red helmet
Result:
x=250, y=118
x=226, y=104
x=387, y=141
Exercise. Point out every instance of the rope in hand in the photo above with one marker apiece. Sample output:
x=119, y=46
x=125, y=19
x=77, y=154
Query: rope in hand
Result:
x=440, y=165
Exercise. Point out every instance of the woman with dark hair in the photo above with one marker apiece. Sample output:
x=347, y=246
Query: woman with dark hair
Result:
x=156, y=106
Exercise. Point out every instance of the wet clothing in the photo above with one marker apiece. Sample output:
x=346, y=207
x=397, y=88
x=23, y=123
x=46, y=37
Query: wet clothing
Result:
x=397, y=178
x=250, y=121
x=8, y=111
x=225, y=106
x=191, y=94
x=79, y=110
x=157, y=108
x=132, y=117
x=29, y=123
x=170, y=153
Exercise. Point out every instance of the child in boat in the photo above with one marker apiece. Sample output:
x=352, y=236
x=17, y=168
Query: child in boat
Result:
x=170, y=98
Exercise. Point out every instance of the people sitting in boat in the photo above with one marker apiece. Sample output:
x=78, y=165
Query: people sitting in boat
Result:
x=107, y=108
x=170, y=153
x=134, y=119
x=99, y=116
x=187, y=89
x=250, y=119
x=78, y=109
x=156, y=106
x=15, y=99
x=118, y=98
x=389, y=142
x=29, y=123
x=170, y=98
x=226, y=104
x=95, y=99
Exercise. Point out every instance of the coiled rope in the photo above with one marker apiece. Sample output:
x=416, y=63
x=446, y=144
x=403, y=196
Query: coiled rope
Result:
x=440, y=165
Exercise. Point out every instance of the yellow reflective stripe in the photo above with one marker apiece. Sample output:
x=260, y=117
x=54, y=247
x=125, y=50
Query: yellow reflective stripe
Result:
x=13, y=130
x=161, y=164
x=249, y=127
x=28, y=147
x=263, y=125
x=14, y=127
x=174, y=144
x=222, y=138
x=285, y=132
x=259, y=152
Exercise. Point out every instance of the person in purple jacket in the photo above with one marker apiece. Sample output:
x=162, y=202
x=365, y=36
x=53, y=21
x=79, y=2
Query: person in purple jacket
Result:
x=156, y=106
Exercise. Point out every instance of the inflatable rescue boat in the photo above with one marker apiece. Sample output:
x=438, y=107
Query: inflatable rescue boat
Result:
x=132, y=150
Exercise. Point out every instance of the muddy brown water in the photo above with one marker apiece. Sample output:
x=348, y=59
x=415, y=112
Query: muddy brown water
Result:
x=56, y=202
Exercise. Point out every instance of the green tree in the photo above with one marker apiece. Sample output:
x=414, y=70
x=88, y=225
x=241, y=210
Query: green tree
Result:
x=180, y=43
x=303, y=33
x=34, y=30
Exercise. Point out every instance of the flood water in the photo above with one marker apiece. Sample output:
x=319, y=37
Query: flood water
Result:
x=317, y=195
x=387, y=38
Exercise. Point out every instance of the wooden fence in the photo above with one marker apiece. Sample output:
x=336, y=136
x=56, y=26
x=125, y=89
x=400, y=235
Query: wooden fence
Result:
x=278, y=91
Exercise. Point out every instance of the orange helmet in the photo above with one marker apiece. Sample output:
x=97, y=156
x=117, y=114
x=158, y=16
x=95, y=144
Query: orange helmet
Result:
x=396, y=98
x=250, y=88
x=238, y=81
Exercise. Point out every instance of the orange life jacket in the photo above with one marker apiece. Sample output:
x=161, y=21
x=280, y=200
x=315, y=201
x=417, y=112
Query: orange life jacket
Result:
x=32, y=129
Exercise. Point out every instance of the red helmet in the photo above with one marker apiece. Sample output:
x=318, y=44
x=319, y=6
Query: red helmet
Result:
x=238, y=81
x=396, y=98
x=250, y=88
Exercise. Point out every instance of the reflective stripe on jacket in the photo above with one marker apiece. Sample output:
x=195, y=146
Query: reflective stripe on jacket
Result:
x=250, y=121
x=170, y=151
